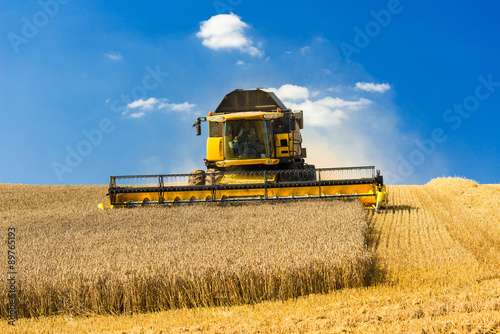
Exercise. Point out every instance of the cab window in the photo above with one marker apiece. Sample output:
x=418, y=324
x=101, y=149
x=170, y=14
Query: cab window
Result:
x=245, y=139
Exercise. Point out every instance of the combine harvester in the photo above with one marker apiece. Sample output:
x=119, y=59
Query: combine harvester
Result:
x=254, y=153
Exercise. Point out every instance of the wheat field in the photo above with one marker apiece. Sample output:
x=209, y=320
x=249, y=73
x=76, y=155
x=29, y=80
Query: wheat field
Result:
x=77, y=260
x=435, y=269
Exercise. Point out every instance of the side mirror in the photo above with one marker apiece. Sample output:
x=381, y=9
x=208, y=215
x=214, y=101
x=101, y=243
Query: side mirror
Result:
x=197, y=124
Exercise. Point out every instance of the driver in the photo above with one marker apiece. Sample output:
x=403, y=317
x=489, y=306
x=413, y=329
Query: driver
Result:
x=247, y=140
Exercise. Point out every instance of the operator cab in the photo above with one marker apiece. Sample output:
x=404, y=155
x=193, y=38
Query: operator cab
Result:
x=251, y=128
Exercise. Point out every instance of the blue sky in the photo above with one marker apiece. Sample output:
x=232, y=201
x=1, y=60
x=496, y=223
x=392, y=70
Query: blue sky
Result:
x=112, y=87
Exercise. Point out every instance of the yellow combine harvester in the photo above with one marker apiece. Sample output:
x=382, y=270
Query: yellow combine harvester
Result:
x=254, y=153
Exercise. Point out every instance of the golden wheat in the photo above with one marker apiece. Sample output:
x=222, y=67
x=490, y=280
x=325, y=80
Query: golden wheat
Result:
x=76, y=259
x=437, y=272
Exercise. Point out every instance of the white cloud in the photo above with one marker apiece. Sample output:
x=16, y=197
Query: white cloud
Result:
x=336, y=89
x=324, y=112
x=373, y=87
x=305, y=49
x=328, y=111
x=177, y=106
x=137, y=114
x=143, y=104
x=138, y=108
x=114, y=55
x=226, y=32
x=291, y=92
x=340, y=130
x=240, y=63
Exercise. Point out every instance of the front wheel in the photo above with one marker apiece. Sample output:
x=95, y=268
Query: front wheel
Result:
x=197, y=178
x=213, y=176
x=310, y=173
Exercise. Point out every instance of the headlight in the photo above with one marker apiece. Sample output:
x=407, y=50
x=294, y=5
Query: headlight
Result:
x=274, y=115
x=216, y=118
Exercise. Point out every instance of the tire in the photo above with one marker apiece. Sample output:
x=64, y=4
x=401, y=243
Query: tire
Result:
x=213, y=178
x=197, y=178
x=310, y=173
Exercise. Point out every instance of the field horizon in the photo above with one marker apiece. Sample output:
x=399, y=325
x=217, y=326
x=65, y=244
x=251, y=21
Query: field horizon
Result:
x=436, y=253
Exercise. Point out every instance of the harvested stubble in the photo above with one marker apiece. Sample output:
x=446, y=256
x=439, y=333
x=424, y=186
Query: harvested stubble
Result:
x=73, y=258
x=446, y=232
